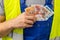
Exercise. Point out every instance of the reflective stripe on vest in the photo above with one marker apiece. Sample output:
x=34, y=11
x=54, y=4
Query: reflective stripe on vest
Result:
x=12, y=10
x=55, y=31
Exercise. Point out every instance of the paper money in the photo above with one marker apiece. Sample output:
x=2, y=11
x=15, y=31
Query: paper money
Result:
x=42, y=13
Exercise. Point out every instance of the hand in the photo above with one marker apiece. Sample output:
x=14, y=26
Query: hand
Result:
x=23, y=21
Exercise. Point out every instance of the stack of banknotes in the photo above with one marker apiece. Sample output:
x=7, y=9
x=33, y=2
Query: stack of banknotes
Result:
x=42, y=13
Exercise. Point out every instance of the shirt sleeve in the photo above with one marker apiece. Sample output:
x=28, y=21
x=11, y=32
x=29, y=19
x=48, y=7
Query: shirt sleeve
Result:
x=1, y=8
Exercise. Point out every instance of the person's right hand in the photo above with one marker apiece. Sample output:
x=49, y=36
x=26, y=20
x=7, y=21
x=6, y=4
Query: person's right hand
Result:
x=23, y=21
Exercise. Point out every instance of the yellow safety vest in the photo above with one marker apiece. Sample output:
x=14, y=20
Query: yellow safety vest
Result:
x=12, y=10
x=55, y=31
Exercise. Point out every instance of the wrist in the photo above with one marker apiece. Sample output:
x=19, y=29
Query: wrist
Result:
x=8, y=25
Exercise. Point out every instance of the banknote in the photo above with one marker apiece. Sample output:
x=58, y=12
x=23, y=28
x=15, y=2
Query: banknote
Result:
x=41, y=12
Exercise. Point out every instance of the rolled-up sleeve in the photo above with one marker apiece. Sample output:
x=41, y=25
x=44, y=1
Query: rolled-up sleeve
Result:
x=1, y=8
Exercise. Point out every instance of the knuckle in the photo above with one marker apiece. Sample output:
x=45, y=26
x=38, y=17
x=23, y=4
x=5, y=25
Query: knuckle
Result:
x=25, y=25
x=24, y=20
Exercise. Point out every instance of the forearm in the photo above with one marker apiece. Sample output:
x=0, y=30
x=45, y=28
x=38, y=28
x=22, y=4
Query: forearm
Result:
x=5, y=28
x=3, y=31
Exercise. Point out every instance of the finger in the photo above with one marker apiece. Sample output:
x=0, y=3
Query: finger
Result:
x=29, y=22
x=35, y=19
x=30, y=14
x=30, y=17
x=28, y=26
